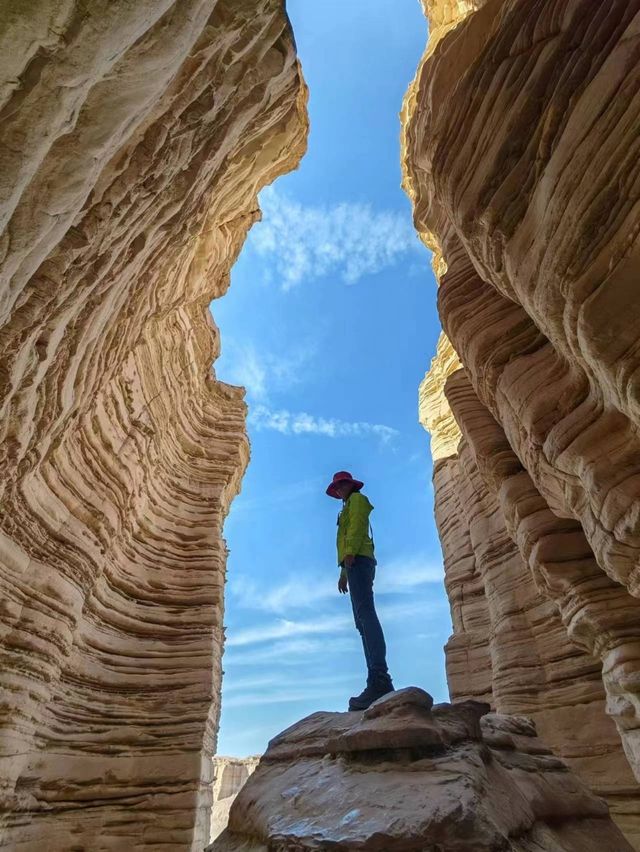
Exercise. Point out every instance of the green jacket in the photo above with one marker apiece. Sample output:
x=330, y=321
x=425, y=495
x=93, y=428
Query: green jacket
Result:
x=353, y=528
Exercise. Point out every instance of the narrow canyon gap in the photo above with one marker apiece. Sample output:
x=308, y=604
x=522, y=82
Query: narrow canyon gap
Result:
x=520, y=153
x=333, y=268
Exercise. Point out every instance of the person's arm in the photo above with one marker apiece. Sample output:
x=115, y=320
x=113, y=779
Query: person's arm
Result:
x=359, y=509
x=343, y=585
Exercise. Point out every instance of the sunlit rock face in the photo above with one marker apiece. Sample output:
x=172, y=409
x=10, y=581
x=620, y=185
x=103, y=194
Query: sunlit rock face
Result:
x=520, y=152
x=230, y=776
x=510, y=644
x=407, y=775
x=135, y=136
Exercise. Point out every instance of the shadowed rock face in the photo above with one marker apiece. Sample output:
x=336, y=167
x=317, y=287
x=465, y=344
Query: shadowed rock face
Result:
x=406, y=775
x=521, y=157
x=134, y=138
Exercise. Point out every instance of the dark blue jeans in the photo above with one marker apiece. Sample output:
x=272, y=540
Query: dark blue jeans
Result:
x=360, y=577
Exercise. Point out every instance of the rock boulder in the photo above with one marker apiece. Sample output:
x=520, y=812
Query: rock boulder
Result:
x=406, y=776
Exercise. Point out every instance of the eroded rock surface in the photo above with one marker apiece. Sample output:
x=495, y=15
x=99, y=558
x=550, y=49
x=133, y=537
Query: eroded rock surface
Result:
x=230, y=774
x=407, y=775
x=134, y=137
x=520, y=153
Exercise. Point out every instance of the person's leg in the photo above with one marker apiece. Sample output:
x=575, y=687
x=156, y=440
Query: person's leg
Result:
x=360, y=630
x=360, y=577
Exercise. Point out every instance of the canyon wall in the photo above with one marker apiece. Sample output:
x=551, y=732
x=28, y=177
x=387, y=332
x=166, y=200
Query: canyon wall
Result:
x=520, y=154
x=134, y=137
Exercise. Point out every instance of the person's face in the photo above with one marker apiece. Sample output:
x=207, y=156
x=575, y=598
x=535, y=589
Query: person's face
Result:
x=344, y=489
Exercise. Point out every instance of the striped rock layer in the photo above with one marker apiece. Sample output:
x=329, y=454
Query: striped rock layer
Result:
x=521, y=154
x=230, y=776
x=134, y=136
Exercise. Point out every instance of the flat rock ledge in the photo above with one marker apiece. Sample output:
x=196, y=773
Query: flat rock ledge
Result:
x=410, y=775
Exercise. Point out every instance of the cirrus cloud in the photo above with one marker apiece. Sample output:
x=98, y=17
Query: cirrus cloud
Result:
x=302, y=423
x=349, y=239
x=399, y=576
x=262, y=372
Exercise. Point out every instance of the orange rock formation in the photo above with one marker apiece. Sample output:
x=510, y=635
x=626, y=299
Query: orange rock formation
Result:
x=521, y=157
x=134, y=138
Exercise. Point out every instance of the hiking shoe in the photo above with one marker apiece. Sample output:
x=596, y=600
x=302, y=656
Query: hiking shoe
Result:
x=370, y=693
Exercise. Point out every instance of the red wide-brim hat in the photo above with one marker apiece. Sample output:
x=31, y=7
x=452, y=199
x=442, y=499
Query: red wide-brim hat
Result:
x=342, y=476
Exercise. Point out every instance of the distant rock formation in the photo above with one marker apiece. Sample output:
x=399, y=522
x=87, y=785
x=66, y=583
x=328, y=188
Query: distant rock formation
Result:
x=230, y=774
x=406, y=775
x=520, y=152
x=134, y=139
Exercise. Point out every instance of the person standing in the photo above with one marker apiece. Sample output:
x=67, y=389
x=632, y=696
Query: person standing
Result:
x=356, y=558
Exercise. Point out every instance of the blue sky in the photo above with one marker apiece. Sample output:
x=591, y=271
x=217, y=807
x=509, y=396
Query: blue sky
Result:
x=330, y=324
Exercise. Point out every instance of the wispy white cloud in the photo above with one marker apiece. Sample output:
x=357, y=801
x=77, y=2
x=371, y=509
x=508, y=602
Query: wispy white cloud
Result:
x=399, y=611
x=292, y=594
x=248, y=369
x=248, y=683
x=263, y=372
x=349, y=239
x=289, y=652
x=277, y=684
x=407, y=574
x=398, y=576
x=321, y=624
x=283, y=628
x=301, y=423
x=290, y=674
x=281, y=696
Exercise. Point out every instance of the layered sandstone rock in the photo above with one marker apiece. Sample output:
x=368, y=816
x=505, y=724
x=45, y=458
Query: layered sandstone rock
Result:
x=405, y=775
x=520, y=155
x=510, y=644
x=230, y=776
x=134, y=138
